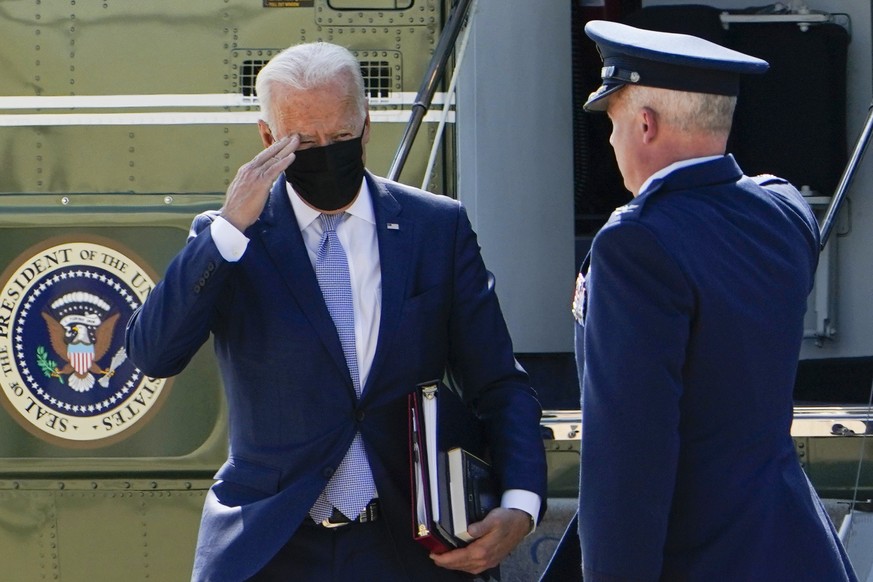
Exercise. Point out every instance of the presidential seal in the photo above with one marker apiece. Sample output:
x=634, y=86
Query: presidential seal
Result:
x=63, y=370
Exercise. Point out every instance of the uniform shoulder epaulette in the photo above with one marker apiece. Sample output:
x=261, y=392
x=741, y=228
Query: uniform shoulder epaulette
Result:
x=627, y=211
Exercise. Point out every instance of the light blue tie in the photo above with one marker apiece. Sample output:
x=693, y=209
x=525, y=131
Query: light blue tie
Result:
x=352, y=486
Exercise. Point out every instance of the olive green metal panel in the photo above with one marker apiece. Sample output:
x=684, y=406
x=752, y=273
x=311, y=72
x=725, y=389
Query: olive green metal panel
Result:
x=185, y=431
x=832, y=464
x=29, y=535
x=562, y=442
x=197, y=47
x=86, y=530
x=165, y=46
x=140, y=159
x=137, y=535
x=833, y=445
x=98, y=47
x=117, y=175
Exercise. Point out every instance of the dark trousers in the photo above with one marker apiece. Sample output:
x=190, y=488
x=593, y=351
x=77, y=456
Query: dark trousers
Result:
x=360, y=552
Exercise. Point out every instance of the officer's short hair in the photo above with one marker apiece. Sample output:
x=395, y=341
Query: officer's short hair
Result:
x=687, y=111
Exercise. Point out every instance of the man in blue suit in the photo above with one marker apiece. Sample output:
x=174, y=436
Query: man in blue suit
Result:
x=690, y=313
x=331, y=293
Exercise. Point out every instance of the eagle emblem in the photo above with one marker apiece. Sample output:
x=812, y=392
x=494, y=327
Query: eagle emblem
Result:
x=80, y=327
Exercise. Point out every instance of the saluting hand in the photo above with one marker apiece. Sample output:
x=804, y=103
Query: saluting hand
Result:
x=249, y=190
x=496, y=536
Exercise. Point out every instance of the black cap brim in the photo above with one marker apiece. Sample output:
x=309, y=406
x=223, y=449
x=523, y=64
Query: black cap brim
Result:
x=597, y=101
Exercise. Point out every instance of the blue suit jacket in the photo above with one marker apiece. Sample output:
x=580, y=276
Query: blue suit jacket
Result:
x=693, y=320
x=292, y=406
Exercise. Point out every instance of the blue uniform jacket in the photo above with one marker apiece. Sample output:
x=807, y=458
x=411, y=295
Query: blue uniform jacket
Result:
x=691, y=323
x=292, y=406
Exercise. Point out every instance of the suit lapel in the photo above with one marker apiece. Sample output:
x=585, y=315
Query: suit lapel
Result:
x=283, y=242
x=395, y=235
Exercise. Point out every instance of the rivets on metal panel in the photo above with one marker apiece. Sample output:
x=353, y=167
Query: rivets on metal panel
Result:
x=168, y=200
x=65, y=200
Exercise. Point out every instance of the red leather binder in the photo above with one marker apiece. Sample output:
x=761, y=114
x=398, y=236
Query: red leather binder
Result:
x=438, y=421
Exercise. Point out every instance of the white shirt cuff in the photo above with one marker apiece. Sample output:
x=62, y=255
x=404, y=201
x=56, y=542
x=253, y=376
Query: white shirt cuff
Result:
x=231, y=243
x=527, y=501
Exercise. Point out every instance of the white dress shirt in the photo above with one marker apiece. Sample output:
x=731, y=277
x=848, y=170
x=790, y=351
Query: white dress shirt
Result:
x=357, y=234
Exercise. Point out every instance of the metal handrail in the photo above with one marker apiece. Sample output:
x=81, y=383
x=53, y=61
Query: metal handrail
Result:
x=429, y=85
x=846, y=179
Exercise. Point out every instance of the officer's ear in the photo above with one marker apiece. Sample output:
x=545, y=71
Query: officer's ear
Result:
x=648, y=120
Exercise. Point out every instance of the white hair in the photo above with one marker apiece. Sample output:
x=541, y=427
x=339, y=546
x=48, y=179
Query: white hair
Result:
x=687, y=111
x=308, y=66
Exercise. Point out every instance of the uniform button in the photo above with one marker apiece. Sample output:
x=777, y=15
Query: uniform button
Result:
x=210, y=267
x=202, y=282
x=359, y=415
x=196, y=288
x=328, y=472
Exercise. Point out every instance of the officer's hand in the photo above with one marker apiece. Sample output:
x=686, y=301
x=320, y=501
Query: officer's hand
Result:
x=496, y=535
x=249, y=190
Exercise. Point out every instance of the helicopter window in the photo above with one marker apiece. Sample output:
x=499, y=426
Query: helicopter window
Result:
x=248, y=73
x=377, y=78
x=379, y=75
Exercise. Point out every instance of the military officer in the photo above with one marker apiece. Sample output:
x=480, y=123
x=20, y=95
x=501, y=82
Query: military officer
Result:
x=689, y=315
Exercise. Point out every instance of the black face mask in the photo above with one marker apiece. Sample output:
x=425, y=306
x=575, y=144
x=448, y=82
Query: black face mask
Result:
x=328, y=177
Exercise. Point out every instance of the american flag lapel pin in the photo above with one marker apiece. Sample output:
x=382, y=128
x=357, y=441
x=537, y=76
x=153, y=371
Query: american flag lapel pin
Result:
x=393, y=226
